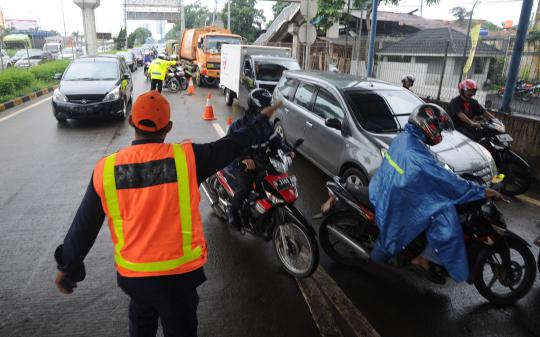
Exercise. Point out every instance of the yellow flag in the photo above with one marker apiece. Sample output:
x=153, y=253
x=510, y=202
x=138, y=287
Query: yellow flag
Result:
x=475, y=34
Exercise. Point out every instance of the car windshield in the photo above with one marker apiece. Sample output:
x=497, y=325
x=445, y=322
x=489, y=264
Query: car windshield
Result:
x=214, y=43
x=52, y=47
x=384, y=111
x=91, y=71
x=273, y=71
x=22, y=52
x=68, y=50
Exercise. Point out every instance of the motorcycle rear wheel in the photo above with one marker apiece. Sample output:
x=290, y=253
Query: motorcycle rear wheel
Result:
x=173, y=85
x=489, y=260
x=295, y=248
x=184, y=83
x=338, y=251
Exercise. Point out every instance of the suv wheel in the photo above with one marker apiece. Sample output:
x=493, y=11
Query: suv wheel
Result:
x=124, y=114
x=61, y=120
x=354, y=176
x=228, y=97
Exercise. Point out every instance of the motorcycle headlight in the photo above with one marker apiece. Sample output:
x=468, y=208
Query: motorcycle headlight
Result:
x=490, y=160
x=58, y=96
x=112, y=95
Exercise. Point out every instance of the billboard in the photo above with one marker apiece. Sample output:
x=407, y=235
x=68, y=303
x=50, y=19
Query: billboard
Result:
x=18, y=24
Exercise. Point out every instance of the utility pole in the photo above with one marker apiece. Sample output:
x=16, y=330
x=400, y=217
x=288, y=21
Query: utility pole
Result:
x=214, y=15
x=65, y=32
x=421, y=6
x=229, y=15
x=373, y=34
x=510, y=86
x=182, y=17
x=125, y=22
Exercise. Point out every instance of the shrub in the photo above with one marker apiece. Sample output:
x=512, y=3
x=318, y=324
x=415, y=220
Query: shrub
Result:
x=45, y=72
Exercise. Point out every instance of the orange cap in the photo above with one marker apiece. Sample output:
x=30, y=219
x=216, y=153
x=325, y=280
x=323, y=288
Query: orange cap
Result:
x=151, y=112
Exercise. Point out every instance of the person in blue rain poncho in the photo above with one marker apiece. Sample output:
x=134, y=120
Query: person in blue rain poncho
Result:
x=414, y=194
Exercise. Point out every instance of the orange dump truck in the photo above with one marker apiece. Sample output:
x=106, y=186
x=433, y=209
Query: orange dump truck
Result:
x=200, y=52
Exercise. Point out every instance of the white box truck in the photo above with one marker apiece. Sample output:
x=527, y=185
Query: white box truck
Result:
x=244, y=68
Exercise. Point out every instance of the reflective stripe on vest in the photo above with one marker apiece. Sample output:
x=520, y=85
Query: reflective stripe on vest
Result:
x=393, y=163
x=111, y=198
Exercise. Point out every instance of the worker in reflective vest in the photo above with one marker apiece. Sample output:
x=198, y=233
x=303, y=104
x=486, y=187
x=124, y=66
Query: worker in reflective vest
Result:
x=158, y=70
x=149, y=193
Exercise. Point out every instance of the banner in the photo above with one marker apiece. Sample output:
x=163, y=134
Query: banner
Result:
x=475, y=34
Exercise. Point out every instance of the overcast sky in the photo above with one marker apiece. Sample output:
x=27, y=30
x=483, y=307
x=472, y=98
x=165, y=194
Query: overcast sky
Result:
x=109, y=16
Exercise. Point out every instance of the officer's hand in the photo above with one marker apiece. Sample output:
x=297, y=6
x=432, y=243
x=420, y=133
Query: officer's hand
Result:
x=269, y=111
x=493, y=195
x=60, y=280
x=249, y=163
x=476, y=125
x=291, y=154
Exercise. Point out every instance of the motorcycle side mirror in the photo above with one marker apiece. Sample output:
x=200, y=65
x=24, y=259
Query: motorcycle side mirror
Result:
x=333, y=123
x=126, y=77
x=298, y=143
x=58, y=76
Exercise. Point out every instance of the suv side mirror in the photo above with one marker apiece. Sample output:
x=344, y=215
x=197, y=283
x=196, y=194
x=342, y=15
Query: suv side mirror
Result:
x=58, y=76
x=333, y=123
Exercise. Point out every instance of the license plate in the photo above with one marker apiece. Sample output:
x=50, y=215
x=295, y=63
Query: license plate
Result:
x=504, y=137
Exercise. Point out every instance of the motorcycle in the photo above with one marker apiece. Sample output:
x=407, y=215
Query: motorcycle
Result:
x=517, y=173
x=269, y=212
x=175, y=79
x=502, y=267
x=145, y=70
x=522, y=90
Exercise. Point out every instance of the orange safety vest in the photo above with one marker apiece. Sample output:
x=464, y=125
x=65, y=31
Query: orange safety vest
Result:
x=150, y=195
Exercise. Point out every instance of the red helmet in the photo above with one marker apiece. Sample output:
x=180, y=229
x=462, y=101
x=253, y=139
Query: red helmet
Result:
x=467, y=85
x=432, y=120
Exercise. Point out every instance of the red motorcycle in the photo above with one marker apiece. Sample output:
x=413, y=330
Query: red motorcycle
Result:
x=269, y=212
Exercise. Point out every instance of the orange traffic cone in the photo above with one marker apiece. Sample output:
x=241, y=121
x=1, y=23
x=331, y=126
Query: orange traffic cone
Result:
x=229, y=121
x=191, y=87
x=208, y=114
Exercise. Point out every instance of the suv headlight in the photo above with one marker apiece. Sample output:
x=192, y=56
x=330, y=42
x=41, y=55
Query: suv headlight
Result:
x=58, y=96
x=112, y=95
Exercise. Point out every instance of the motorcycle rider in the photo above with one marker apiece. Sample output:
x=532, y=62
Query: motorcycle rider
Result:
x=465, y=110
x=158, y=70
x=242, y=168
x=407, y=81
x=414, y=196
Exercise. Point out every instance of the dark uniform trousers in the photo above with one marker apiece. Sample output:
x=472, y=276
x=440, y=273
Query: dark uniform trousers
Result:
x=156, y=84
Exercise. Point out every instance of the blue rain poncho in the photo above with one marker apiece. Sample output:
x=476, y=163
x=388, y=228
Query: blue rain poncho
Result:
x=412, y=192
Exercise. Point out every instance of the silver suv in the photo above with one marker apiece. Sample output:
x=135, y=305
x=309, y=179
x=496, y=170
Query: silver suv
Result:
x=348, y=122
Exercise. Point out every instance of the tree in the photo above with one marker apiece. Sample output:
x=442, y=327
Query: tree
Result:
x=131, y=40
x=120, y=40
x=278, y=7
x=460, y=13
x=196, y=15
x=246, y=20
x=141, y=34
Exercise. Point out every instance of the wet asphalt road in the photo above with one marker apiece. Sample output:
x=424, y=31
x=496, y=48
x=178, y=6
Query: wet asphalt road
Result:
x=45, y=169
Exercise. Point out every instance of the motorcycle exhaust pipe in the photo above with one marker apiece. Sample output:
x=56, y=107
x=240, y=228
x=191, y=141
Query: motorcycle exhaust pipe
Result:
x=208, y=195
x=353, y=244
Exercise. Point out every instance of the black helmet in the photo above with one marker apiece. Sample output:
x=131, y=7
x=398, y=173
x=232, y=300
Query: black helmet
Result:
x=259, y=99
x=432, y=120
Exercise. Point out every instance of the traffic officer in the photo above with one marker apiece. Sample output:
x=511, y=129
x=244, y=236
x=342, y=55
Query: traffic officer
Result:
x=158, y=70
x=149, y=192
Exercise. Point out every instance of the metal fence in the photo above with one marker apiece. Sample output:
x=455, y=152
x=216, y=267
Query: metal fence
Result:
x=437, y=67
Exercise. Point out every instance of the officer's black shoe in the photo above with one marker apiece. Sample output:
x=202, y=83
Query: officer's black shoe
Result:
x=234, y=221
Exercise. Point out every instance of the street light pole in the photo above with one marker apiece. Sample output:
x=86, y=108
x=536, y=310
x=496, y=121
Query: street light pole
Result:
x=467, y=41
x=229, y=15
x=65, y=32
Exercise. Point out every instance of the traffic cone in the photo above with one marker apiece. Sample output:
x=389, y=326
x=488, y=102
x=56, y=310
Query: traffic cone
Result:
x=229, y=121
x=208, y=114
x=191, y=87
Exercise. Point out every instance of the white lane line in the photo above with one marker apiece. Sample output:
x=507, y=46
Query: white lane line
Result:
x=319, y=307
x=354, y=318
x=219, y=129
x=528, y=199
x=24, y=109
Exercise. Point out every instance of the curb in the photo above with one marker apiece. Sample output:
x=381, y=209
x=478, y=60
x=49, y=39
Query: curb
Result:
x=20, y=100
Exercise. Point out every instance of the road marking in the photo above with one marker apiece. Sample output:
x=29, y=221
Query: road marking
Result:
x=321, y=288
x=528, y=199
x=23, y=109
x=219, y=129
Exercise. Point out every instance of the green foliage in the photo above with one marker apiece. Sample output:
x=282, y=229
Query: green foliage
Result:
x=197, y=15
x=131, y=40
x=246, y=20
x=533, y=36
x=120, y=40
x=15, y=82
x=460, y=13
x=278, y=7
x=140, y=35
